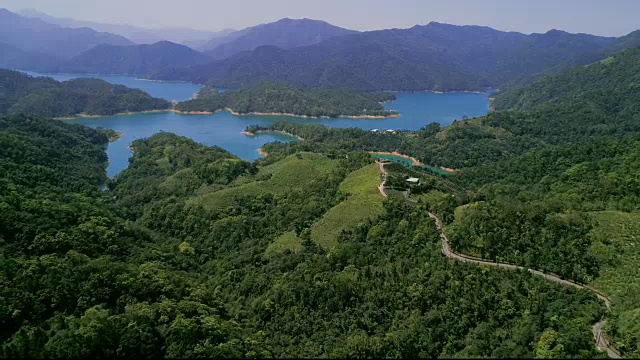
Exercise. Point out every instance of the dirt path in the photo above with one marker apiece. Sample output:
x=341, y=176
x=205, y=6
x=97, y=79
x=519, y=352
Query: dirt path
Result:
x=384, y=173
x=602, y=342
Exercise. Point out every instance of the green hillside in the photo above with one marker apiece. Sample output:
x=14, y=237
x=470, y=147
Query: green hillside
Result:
x=42, y=96
x=617, y=247
x=294, y=173
x=364, y=201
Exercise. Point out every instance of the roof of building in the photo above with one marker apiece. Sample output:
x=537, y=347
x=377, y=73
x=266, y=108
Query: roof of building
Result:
x=413, y=180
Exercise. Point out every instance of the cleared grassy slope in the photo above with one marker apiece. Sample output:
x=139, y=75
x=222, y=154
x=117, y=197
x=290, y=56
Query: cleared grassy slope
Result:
x=289, y=174
x=364, y=202
x=287, y=241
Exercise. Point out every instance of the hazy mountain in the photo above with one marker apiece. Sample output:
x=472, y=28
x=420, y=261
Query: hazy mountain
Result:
x=132, y=60
x=13, y=58
x=139, y=35
x=35, y=35
x=432, y=57
x=284, y=33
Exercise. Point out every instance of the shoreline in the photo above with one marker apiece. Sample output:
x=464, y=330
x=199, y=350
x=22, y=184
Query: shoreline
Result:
x=395, y=115
x=247, y=133
x=87, y=116
x=263, y=153
x=194, y=112
x=116, y=137
x=415, y=161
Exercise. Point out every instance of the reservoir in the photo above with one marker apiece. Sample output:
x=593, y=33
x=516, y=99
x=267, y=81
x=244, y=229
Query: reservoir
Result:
x=417, y=109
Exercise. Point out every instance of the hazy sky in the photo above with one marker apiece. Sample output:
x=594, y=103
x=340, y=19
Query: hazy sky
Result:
x=601, y=17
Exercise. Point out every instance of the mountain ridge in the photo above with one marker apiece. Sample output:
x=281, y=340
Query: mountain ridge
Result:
x=436, y=56
x=285, y=33
x=36, y=35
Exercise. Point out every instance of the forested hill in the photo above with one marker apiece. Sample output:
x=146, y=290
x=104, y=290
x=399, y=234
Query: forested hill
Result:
x=611, y=85
x=554, y=187
x=432, y=57
x=24, y=94
x=131, y=60
x=191, y=252
x=271, y=98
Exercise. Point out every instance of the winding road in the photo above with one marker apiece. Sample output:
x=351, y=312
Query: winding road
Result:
x=599, y=336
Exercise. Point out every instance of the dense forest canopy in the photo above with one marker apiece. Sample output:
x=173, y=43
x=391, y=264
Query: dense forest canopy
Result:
x=542, y=185
x=43, y=96
x=600, y=83
x=168, y=272
x=271, y=98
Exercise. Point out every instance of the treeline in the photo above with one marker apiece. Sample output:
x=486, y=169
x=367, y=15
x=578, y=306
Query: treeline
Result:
x=271, y=98
x=42, y=96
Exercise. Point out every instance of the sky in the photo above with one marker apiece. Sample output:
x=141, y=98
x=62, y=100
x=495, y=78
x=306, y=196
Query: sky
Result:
x=599, y=17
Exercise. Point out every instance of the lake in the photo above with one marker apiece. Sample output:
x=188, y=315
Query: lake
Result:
x=417, y=109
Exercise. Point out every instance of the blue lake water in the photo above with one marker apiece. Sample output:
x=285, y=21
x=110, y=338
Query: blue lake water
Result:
x=417, y=109
x=179, y=91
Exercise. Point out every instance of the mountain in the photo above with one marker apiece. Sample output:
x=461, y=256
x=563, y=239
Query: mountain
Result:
x=13, y=58
x=39, y=36
x=190, y=37
x=132, y=60
x=432, y=57
x=43, y=96
x=610, y=86
x=285, y=33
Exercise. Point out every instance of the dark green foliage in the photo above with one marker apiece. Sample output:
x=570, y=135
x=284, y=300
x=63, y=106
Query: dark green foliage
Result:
x=177, y=280
x=270, y=98
x=528, y=234
x=42, y=96
x=609, y=87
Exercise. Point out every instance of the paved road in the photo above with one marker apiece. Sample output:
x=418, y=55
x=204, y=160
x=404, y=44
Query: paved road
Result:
x=599, y=336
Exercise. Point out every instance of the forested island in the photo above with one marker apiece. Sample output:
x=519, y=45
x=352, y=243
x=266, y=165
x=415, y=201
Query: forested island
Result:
x=43, y=96
x=277, y=99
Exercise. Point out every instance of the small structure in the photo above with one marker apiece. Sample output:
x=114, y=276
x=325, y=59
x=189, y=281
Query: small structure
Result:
x=413, y=181
x=374, y=130
x=390, y=131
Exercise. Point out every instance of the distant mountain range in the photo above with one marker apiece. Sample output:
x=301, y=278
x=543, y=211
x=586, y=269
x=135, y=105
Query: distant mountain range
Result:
x=305, y=53
x=138, y=35
x=35, y=35
x=285, y=34
x=432, y=57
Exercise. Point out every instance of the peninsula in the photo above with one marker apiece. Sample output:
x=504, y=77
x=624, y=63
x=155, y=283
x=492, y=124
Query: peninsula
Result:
x=44, y=96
